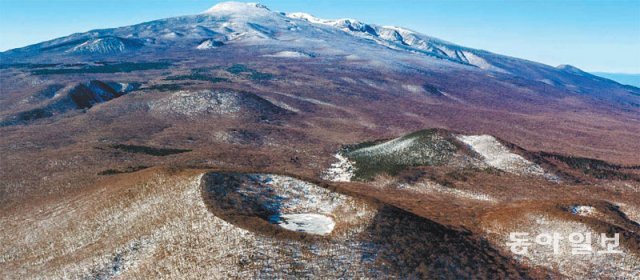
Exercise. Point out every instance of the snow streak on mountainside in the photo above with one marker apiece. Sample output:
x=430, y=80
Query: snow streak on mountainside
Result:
x=498, y=156
x=399, y=38
x=107, y=44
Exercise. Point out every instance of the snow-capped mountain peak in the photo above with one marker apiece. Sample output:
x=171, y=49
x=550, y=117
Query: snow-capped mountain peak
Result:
x=237, y=8
x=307, y=17
x=253, y=24
x=344, y=23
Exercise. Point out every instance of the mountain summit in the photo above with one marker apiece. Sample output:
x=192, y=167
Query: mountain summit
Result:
x=236, y=7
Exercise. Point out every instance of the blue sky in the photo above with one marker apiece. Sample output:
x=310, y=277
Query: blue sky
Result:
x=593, y=35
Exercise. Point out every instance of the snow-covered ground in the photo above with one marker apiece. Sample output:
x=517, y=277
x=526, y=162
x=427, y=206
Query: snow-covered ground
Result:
x=105, y=46
x=340, y=171
x=295, y=196
x=305, y=222
x=480, y=62
x=162, y=228
x=583, y=210
x=413, y=88
x=194, y=103
x=500, y=157
x=389, y=147
x=209, y=44
x=289, y=54
x=433, y=187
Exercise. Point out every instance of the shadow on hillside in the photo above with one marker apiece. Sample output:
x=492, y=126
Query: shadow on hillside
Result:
x=410, y=246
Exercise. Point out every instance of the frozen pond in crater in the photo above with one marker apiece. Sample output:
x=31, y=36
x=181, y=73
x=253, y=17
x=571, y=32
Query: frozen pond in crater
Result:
x=286, y=202
x=308, y=223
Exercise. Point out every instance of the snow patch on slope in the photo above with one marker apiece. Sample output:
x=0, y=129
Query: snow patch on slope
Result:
x=340, y=171
x=195, y=103
x=413, y=88
x=498, y=156
x=209, y=44
x=435, y=188
x=389, y=147
x=583, y=210
x=297, y=196
x=480, y=62
x=288, y=54
x=105, y=45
